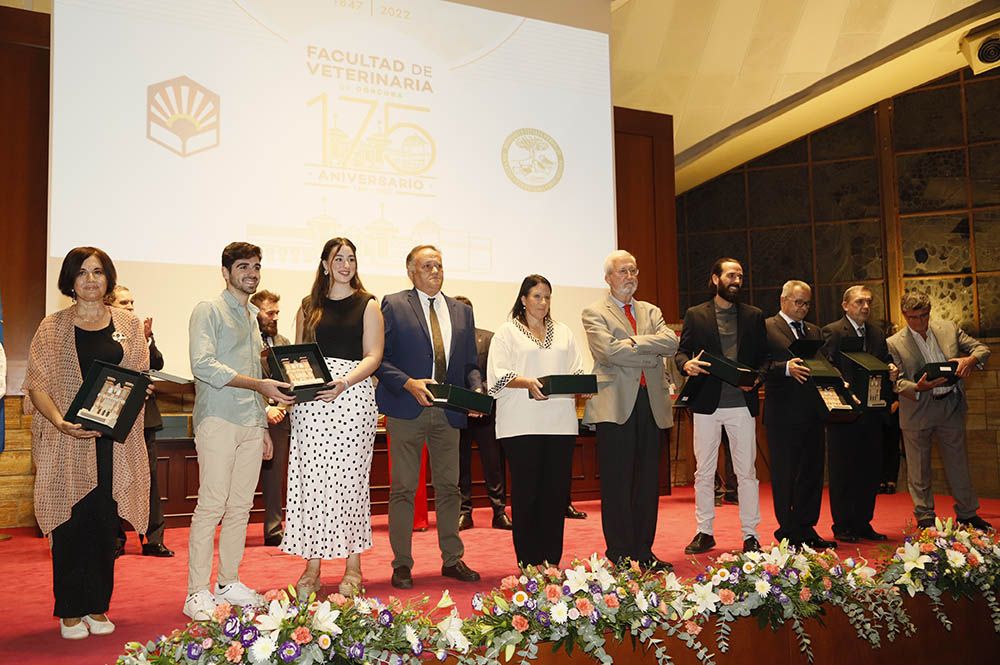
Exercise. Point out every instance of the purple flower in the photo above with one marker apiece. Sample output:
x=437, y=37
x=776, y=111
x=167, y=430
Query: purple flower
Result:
x=654, y=600
x=531, y=586
x=231, y=628
x=417, y=648
x=566, y=590
x=530, y=604
x=646, y=622
x=783, y=599
x=836, y=571
x=249, y=635
x=595, y=616
x=595, y=587
x=793, y=576
x=497, y=610
x=194, y=651
x=701, y=578
x=356, y=651
x=543, y=618
x=289, y=651
x=477, y=602
x=385, y=618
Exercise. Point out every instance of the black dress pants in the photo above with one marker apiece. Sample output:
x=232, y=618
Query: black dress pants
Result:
x=83, y=547
x=154, y=533
x=540, y=469
x=490, y=454
x=855, y=457
x=797, y=458
x=629, y=456
x=273, y=474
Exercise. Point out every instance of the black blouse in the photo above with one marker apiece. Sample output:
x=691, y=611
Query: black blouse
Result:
x=94, y=345
x=340, y=331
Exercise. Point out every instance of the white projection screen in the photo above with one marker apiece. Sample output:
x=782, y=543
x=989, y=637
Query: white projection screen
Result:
x=182, y=125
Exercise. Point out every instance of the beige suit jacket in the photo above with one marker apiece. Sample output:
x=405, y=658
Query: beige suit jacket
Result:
x=916, y=410
x=618, y=363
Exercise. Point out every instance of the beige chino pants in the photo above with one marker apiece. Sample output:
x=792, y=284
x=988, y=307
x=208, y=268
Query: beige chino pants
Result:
x=229, y=459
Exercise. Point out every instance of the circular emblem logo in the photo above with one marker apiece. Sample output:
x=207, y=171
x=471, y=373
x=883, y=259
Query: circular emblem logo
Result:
x=532, y=160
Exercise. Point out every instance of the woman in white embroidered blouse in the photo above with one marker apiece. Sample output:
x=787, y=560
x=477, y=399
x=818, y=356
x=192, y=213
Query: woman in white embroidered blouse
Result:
x=537, y=433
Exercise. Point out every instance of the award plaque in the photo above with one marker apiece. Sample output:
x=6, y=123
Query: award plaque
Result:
x=731, y=371
x=869, y=379
x=938, y=370
x=109, y=400
x=301, y=365
x=569, y=384
x=460, y=399
x=837, y=403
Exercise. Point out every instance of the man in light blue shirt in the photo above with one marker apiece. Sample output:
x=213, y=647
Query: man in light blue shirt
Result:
x=230, y=429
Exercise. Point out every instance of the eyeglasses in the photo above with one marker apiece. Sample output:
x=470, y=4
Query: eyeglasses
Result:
x=628, y=272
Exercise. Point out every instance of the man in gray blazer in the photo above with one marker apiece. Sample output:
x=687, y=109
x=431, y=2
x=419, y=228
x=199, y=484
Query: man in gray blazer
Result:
x=629, y=341
x=930, y=408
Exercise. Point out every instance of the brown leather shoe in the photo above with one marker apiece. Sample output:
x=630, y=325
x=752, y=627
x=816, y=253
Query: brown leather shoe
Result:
x=501, y=521
x=574, y=514
x=460, y=572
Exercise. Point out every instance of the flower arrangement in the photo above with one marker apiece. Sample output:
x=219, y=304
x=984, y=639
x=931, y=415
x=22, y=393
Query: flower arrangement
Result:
x=948, y=558
x=783, y=584
x=286, y=632
x=579, y=606
x=583, y=606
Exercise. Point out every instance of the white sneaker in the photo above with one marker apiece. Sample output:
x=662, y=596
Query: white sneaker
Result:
x=98, y=627
x=237, y=593
x=75, y=632
x=200, y=605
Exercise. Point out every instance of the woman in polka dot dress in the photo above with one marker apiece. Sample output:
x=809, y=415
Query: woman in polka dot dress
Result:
x=328, y=507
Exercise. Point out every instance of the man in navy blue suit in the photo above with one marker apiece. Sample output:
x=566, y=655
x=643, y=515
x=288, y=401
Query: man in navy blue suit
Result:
x=429, y=338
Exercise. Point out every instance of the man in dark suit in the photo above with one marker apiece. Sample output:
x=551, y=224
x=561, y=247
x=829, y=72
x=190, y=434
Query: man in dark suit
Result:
x=855, y=448
x=273, y=472
x=794, y=423
x=429, y=338
x=723, y=326
x=931, y=410
x=482, y=430
x=152, y=422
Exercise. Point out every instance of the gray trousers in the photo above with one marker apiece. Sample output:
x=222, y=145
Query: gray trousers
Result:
x=949, y=431
x=273, y=473
x=406, y=441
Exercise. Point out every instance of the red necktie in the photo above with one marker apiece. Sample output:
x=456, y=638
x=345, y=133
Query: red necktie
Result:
x=631, y=319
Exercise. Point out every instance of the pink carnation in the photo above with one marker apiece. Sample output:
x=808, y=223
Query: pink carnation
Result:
x=274, y=594
x=337, y=599
x=508, y=583
x=827, y=583
x=234, y=653
x=553, y=572
x=727, y=597
x=553, y=593
x=611, y=600
x=584, y=605
x=520, y=623
x=727, y=557
x=926, y=548
x=301, y=635
x=222, y=612
x=691, y=628
x=805, y=594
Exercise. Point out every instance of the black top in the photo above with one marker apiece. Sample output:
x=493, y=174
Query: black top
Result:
x=342, y=326
x=94, y=345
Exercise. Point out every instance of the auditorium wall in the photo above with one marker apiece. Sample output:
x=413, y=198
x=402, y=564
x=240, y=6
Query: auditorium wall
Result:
x=905, y=194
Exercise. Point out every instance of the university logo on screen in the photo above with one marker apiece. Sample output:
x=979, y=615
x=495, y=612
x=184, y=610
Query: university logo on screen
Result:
x=182, y=116
x=532, y=160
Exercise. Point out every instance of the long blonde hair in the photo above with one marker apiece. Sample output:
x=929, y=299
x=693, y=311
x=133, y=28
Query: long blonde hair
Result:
x=312, y=304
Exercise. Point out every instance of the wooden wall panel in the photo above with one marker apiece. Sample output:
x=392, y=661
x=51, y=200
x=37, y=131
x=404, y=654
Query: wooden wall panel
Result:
x=644, y=182
x=24, y=108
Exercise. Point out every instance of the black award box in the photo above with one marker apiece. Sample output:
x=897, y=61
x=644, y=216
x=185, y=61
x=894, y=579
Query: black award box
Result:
x=568, y=384
x=302, y=366
x=869, y=379
x=937, y=370
x=833, y=399
x=109, y=400
x=731, y=371
x=461, y=399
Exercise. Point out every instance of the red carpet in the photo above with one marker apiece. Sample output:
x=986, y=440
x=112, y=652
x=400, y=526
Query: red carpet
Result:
x=149, y=592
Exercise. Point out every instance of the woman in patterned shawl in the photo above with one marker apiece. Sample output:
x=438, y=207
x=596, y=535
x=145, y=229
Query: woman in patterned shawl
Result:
x=84, y=481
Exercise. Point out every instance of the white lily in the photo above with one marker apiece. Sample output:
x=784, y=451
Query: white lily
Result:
x=671, y=583
x=600, y=572
x=577, y=579
x=911, y=557
x=325, y=619
x=271, y=622
x=641, y=602
x=445, y=601
x=703, y=597
x=451, y=628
